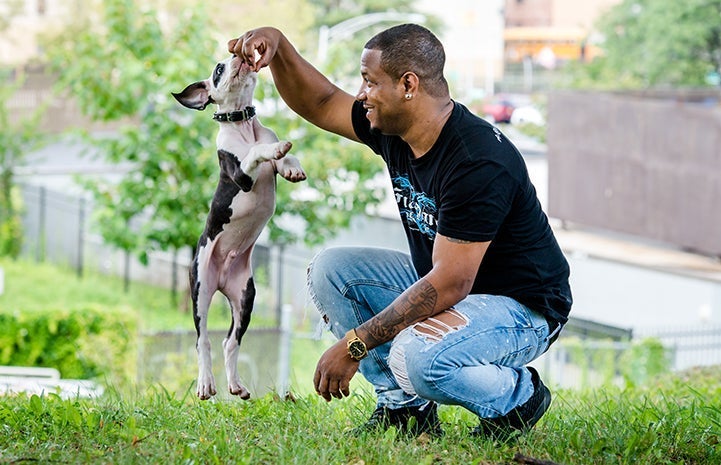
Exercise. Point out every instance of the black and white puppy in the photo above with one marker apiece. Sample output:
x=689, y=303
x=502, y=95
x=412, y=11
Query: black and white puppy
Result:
x=249, y=155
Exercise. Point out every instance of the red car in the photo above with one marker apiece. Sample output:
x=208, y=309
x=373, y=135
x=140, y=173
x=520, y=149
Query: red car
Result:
x=498, y=112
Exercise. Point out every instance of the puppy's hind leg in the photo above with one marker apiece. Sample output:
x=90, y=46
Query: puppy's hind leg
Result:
x=241, y=309
x=201, y=293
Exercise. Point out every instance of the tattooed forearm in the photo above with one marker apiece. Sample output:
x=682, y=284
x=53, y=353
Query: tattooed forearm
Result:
x=417, y=303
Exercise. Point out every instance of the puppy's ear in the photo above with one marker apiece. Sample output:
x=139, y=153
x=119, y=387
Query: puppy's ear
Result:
x=195, y=96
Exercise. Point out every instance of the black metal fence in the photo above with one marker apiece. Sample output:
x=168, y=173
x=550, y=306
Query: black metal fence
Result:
x=54, y=226
x=57, y=229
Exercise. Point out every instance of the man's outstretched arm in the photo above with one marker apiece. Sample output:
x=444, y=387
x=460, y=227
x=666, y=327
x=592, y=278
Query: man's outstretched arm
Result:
x=305, y=89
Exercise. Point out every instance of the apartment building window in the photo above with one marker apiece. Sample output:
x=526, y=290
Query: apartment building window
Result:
x=41, y=7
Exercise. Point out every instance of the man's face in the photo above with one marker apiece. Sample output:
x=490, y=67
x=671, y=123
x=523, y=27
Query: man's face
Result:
x=381, y=95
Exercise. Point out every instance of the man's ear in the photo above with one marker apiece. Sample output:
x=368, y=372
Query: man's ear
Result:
x=195, y=96
x=410, y=82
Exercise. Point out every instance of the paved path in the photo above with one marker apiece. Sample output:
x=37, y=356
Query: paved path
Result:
x=634, y=251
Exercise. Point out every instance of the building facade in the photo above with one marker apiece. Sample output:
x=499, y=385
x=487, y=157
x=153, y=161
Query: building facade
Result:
x=23, y=25
x=473, y=40
x=550, y=32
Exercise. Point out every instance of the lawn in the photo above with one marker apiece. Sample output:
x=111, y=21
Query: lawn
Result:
x=671, y=419
x=676, y=420
x=30, y=285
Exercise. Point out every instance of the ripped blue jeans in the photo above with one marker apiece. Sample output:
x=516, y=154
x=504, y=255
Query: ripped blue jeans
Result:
x=477, y=363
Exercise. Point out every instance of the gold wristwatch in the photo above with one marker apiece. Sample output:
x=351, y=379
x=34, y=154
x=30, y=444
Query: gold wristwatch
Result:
x=356, y=347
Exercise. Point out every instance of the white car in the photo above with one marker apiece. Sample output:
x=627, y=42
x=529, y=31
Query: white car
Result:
x=527, y=114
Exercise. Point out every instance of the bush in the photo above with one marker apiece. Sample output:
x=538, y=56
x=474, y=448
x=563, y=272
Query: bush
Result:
x=603, y=362
x=644, y=360
x=11, y=228
x=83, y=343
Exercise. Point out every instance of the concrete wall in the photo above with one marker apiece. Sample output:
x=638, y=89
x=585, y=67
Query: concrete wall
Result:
x=644, y=164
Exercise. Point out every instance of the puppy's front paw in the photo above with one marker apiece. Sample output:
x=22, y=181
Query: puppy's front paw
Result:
x=281, y=148
x=206, y=387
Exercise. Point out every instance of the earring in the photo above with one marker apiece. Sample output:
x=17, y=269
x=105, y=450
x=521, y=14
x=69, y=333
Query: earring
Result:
x=409, y=96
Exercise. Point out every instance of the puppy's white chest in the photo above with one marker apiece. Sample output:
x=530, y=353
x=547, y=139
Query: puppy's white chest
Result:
x=233, y=142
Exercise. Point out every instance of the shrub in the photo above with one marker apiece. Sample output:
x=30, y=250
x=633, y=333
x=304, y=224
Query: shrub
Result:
x=11, y=228
x=645, y=359
x=83, y=343
x=603, y=362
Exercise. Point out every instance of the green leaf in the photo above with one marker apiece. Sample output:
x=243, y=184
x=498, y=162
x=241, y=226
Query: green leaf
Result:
x=650, y=43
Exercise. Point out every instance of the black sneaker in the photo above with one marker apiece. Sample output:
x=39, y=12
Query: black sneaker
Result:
x=411, y=421
x=520, y=419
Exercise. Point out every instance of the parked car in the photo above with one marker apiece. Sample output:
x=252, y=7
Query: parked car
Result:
x=527, y=114
x=499, y=111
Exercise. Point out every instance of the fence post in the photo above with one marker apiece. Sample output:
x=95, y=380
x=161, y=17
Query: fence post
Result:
x=284, y=350
x=126, y=271
x=81, y=236
x=42, y=212
x=279, y=285
x=174, y=279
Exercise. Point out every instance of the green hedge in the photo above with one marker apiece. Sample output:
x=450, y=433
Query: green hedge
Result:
x=635, y=362
x=83, y=343
x=11, y=227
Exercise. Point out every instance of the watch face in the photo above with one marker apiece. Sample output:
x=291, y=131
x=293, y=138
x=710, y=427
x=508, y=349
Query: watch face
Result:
x=357, y=350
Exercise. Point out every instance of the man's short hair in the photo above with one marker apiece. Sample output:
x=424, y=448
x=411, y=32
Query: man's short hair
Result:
x=410, y=47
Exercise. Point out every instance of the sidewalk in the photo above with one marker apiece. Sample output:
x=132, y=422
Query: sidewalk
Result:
x=40, y=381
x=525, y=144
x=634, y=251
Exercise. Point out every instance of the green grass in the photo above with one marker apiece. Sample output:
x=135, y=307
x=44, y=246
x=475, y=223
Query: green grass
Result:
x=30, y=285
x=674, y=419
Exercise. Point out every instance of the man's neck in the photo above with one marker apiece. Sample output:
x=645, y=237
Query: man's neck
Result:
x=428, y=126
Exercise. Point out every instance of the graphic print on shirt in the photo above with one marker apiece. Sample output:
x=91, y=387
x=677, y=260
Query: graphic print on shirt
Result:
x=416, y=208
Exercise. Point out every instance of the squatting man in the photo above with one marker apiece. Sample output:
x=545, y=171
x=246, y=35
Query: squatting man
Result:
x=485, y=288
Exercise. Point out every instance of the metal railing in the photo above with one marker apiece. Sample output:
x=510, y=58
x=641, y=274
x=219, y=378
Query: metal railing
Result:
x=56, y=229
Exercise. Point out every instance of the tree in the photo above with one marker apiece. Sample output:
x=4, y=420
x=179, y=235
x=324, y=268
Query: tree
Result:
x=343, y=57
x=123, y=67
x=342, y=181
x=650, y=43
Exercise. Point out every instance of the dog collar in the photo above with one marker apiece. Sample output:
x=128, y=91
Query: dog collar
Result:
x=246, y=114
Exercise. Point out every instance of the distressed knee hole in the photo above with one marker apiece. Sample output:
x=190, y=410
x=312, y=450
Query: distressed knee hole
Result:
x=397, y=364
x=437, y=327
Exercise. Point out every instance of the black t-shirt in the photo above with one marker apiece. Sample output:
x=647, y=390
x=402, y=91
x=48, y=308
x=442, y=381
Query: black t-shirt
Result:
x=473, y=185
